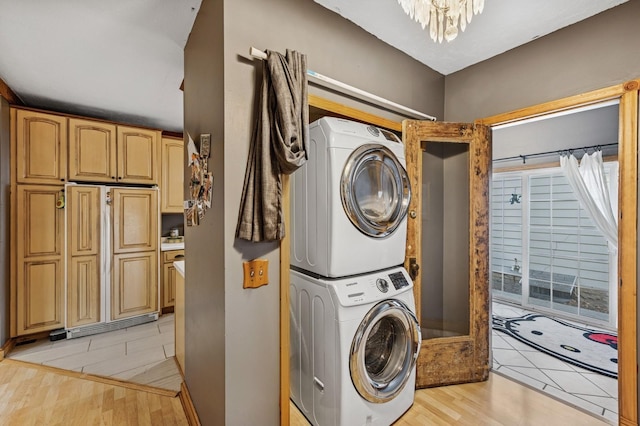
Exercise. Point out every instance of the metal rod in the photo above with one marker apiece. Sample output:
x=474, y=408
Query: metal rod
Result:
x=324, y=81
x=558, y=151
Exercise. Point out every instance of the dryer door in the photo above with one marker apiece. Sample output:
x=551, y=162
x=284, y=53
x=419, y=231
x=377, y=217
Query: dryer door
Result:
x=384, y=351
x=375, y=190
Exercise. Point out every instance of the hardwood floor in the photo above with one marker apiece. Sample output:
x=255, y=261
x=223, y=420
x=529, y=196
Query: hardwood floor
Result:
x=498, y=401
x=37, y=395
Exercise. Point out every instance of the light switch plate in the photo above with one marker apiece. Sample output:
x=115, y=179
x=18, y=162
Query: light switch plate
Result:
x=256, y=273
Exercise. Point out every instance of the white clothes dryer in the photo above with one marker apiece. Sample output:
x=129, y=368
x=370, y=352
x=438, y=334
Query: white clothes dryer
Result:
x=354, y=344
x=349, y=200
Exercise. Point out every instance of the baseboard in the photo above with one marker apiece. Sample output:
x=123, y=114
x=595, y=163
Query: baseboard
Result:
x=187, y=405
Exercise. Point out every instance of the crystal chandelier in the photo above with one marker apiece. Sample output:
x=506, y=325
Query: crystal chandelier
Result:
x=442, y=16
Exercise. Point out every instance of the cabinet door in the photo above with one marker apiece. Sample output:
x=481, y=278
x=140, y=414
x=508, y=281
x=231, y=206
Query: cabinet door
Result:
x=83, y=248
x=41, y=147
x=134, y=284
x=92, y=151
x=39, y=259
x=138, y=155
x=83, y=291
x=172, y=176
x=168, y=285
x=135, y=219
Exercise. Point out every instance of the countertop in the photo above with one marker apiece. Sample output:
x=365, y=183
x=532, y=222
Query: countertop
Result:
x=179, y=265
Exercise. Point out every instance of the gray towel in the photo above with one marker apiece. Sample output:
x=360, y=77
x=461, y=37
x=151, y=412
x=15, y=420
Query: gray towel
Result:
x=278, y=146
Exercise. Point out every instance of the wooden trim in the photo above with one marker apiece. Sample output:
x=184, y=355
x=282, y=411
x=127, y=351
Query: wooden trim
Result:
x=549, y=165
x=335, y=107
x=7, y=348
x=187, y=405
x=99, y=379
x=13, y=228
x=8, y=94
x=627, y=259
x=285, y=257
x=563, y=104
x=627, y=225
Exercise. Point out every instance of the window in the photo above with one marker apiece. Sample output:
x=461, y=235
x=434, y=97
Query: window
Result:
x=546, y=253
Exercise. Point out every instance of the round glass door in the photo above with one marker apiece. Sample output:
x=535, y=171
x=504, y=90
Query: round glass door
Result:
x=375, y=190
x=384, y=351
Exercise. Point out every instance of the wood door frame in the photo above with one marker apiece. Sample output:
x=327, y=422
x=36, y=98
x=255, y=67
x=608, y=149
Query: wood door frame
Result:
x=627, y=93
x=285, y=244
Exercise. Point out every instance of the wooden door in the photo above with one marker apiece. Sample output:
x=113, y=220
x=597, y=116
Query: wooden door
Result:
x=39, y=260
x=134, y=284
x=84, y=250
x=172, y=177
x=92, y=151
x=138, y=155
x=135, y=219
x=448, y=248
x=40, y=147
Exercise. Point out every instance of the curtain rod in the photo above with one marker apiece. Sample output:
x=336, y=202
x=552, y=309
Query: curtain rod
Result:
x=324, y=81
x=540, y=154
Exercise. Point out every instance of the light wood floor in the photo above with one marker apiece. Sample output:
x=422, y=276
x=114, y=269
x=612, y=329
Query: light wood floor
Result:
x=498, y=401
x=37, y=395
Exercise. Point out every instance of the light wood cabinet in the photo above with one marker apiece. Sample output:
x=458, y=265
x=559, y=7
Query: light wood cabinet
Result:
x=40, y=142
x=172, y=175
x=134, y=289
x=135, y=219
x=137, y=155
x=39, y=259
x=103, y=152
x=168, y=280
x=179, y=322
x=83, y=250
x=134, y=281
x=92, y=151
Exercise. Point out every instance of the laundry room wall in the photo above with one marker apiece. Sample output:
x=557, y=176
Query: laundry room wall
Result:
x=595, y=53
x=232, y=335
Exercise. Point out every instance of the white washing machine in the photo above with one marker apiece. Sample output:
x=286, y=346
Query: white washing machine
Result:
x=349, y=200
x=354, y=343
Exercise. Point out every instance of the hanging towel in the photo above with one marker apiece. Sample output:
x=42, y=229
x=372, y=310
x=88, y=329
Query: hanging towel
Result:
x=278, y=146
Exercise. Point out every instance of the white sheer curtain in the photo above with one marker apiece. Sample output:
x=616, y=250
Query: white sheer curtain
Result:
x=590, y=186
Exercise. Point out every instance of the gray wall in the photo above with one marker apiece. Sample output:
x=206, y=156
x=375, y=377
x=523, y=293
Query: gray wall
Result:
x=5, y=176
x=598, y=52
x=232, y=335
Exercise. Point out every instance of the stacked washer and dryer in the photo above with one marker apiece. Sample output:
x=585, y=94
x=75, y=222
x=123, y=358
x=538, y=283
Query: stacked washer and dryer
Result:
x=354, y=333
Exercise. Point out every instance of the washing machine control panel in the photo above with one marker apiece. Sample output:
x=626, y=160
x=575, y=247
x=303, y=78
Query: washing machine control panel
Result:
x=398, y=280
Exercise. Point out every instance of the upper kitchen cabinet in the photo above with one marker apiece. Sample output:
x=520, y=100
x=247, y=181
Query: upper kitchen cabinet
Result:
x=92, y=151
x=40, y=147
x=172, y=176
x=103, y=152
x=137, y=155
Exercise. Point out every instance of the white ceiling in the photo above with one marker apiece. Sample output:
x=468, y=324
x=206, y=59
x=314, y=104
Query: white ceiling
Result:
x=122, y=60
x=502, y=26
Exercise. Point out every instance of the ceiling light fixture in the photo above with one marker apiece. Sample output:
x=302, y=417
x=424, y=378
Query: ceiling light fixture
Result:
x=442, y=16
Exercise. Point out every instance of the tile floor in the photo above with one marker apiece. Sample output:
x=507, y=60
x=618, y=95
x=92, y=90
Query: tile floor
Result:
x=143, y=353
x=582, y=388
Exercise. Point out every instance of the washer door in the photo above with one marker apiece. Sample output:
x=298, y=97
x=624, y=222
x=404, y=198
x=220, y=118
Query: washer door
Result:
x=375, y=190
x=384, y=351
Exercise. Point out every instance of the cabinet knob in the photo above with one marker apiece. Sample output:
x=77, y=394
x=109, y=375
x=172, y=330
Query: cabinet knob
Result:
x=113, y=177
x=61, y=179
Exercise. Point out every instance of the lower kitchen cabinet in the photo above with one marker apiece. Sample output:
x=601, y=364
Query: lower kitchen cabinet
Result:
x=134, y=284
x=83, y=291
x=168, y=283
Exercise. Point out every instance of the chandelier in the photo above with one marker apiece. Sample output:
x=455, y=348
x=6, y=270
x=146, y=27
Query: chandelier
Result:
x=442, y=16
